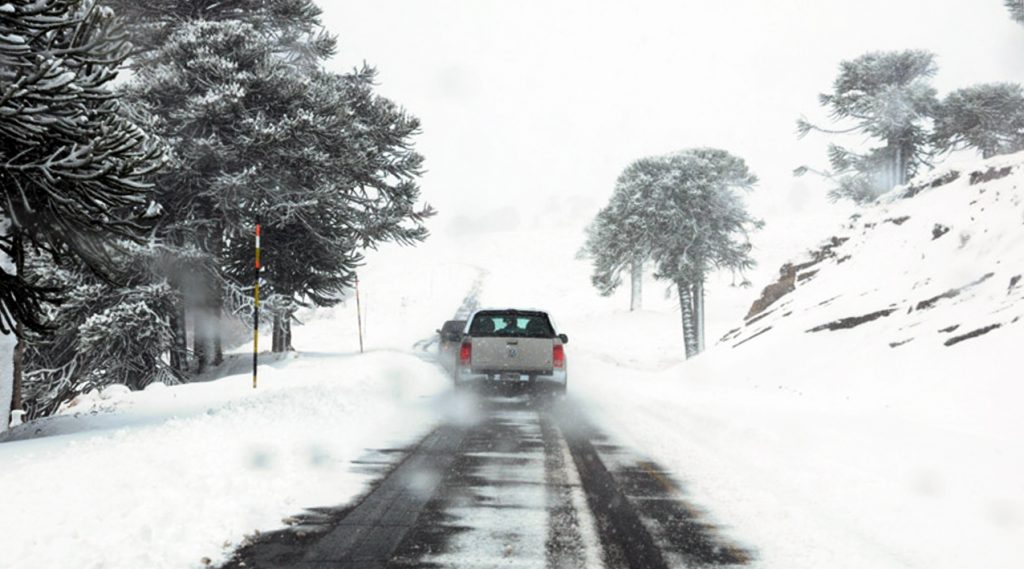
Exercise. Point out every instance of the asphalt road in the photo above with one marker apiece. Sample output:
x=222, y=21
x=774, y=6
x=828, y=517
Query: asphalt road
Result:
x=530, y=483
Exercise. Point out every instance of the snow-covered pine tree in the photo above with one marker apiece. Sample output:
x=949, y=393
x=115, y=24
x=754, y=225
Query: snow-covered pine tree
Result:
x=294, y=24
x=617, y=240
x=987, y=117
x=887, y=96
x=72, y=166
x=209, y=87
x=350, y=185
x=1016, y=8
x=102, y=333
x=323, y=161
x=698, y=223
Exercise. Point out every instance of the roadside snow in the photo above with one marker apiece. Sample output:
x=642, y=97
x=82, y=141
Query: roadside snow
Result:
x=167, y=476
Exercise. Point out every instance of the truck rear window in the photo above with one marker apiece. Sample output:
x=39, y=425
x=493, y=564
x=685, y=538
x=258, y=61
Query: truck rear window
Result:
x=512, y=324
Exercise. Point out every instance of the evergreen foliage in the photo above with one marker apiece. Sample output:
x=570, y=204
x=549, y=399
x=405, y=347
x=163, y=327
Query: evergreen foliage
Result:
x=103, y=333
x=73, y=170
x=72, y=166
x=293, y=24
x=886, y=96
x=324, y=162
x=253, y=127
x=617, y=237
x=258, y=130
x=698, y=218
x=987, y=117
x=683, y=211
x=1016, y=8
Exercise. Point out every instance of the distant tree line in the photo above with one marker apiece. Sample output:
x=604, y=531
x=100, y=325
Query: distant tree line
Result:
x=888, y=97
x=127, y=212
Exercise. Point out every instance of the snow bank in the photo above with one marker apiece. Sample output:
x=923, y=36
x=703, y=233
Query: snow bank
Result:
x=167, y=476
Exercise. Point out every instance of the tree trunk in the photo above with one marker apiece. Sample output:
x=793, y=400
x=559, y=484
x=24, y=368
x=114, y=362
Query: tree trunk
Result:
x=892, y=165
x=278, y=339
x=179, y=343
x=17, y=401
x=18, y=360
x=7, y=346
x=636, y=279
x=7, y=343
x=288, y=335
x=687, y=312
x=901, y=170
x=201, y=339
x=698, y=302
x=216, y=332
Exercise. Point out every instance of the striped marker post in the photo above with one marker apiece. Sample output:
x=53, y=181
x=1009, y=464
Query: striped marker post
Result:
x=256, y=311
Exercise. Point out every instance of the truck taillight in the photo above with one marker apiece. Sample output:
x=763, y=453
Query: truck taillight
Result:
x=558, y=356
x=465, y=353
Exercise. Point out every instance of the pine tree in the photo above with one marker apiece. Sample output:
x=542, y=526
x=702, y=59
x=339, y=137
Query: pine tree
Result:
x=72, y=166
x=208, y=89
x=256, y=132
x=885, y=95
x=700, y=224
x=351, y=186
x=685, y=214
x=294, y=25
x=988, y=118
x=1016, y=8
x=102, y=333
x=618, y=240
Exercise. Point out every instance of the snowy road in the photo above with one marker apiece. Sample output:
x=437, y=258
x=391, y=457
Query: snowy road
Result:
x=525, y=483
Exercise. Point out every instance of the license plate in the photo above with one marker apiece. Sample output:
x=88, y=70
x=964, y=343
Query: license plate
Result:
x=514, y=377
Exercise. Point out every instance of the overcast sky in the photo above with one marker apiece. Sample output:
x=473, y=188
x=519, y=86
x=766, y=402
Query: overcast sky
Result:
x=530, y=109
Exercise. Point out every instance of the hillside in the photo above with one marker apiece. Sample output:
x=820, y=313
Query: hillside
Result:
x=938, y=263
x=865, y=413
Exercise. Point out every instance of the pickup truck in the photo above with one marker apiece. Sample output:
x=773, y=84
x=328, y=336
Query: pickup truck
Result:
x=512, y=347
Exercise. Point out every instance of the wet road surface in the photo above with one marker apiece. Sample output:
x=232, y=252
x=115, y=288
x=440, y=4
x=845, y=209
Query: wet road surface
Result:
x=528, y=484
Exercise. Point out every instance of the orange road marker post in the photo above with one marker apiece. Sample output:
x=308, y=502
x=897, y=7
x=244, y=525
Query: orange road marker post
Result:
x=256, y=310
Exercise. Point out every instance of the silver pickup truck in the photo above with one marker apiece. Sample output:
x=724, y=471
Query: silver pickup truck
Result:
x=510, y=346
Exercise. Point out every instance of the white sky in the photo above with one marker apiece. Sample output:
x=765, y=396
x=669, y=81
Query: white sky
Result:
x=530, y=109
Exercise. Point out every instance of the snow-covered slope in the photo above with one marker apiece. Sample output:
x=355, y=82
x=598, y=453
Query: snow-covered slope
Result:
x=936, y=263
x=869, y=416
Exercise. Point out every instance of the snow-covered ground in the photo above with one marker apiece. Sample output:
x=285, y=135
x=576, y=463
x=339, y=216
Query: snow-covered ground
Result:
x=812, y=448
x=169, y=475
x=174, y=474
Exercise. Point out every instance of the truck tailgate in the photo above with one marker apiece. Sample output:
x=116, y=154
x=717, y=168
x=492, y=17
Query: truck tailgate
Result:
x=511, y=354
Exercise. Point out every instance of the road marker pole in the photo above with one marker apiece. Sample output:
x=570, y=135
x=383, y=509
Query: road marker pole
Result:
x=256, y=310
x=359, y=316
